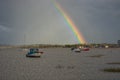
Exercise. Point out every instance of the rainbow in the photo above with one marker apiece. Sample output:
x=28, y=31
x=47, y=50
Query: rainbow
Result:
x=71, y=24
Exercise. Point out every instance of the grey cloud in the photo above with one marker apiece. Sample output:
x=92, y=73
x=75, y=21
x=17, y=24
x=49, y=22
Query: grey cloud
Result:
x=3, y=28
x=41, y=22
x=98, y=20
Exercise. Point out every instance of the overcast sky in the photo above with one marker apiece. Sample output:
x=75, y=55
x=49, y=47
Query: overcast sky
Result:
x=39, y=22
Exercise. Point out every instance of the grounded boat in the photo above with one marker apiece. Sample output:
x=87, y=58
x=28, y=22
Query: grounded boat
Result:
x=33, y=53
x=85, y=49
x=79, y=49
x=76, y=49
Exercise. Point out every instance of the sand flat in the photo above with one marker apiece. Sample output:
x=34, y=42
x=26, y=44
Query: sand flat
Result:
x=58, y=64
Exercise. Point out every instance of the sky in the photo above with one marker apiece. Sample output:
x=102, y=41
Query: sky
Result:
x=39, y=22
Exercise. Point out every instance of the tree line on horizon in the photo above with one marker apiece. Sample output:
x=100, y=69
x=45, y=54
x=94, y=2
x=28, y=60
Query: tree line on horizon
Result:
x=93, y=45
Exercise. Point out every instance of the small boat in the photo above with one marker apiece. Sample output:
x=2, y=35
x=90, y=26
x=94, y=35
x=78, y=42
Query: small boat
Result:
x=85, y=49
x=33, y=53
x=76, y=49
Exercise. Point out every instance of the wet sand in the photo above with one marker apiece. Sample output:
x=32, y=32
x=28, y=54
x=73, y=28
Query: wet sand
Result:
x=59, y=64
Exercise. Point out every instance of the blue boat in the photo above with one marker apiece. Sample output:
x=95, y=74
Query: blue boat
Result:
x=33, y=52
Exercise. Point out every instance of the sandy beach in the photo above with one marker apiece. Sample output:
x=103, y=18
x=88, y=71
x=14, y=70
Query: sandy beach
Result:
x=59, y=64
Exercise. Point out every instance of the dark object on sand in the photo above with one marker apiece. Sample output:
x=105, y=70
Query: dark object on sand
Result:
x=72, y=48
x=33, y=53
x=112, y=70
x=97, y=56
x=115, y=63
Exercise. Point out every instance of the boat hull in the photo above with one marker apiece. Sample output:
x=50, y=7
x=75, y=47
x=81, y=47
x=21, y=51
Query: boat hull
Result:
x=34, y=55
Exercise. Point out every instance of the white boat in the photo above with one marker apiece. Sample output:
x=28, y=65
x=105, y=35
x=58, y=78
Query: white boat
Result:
x=76, y=49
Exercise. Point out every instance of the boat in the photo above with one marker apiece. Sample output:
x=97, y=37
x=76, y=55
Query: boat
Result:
x=33, y=52
x=76, y=49
x=85, y=49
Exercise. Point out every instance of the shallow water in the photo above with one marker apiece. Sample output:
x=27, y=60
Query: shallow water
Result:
x=58, y=64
